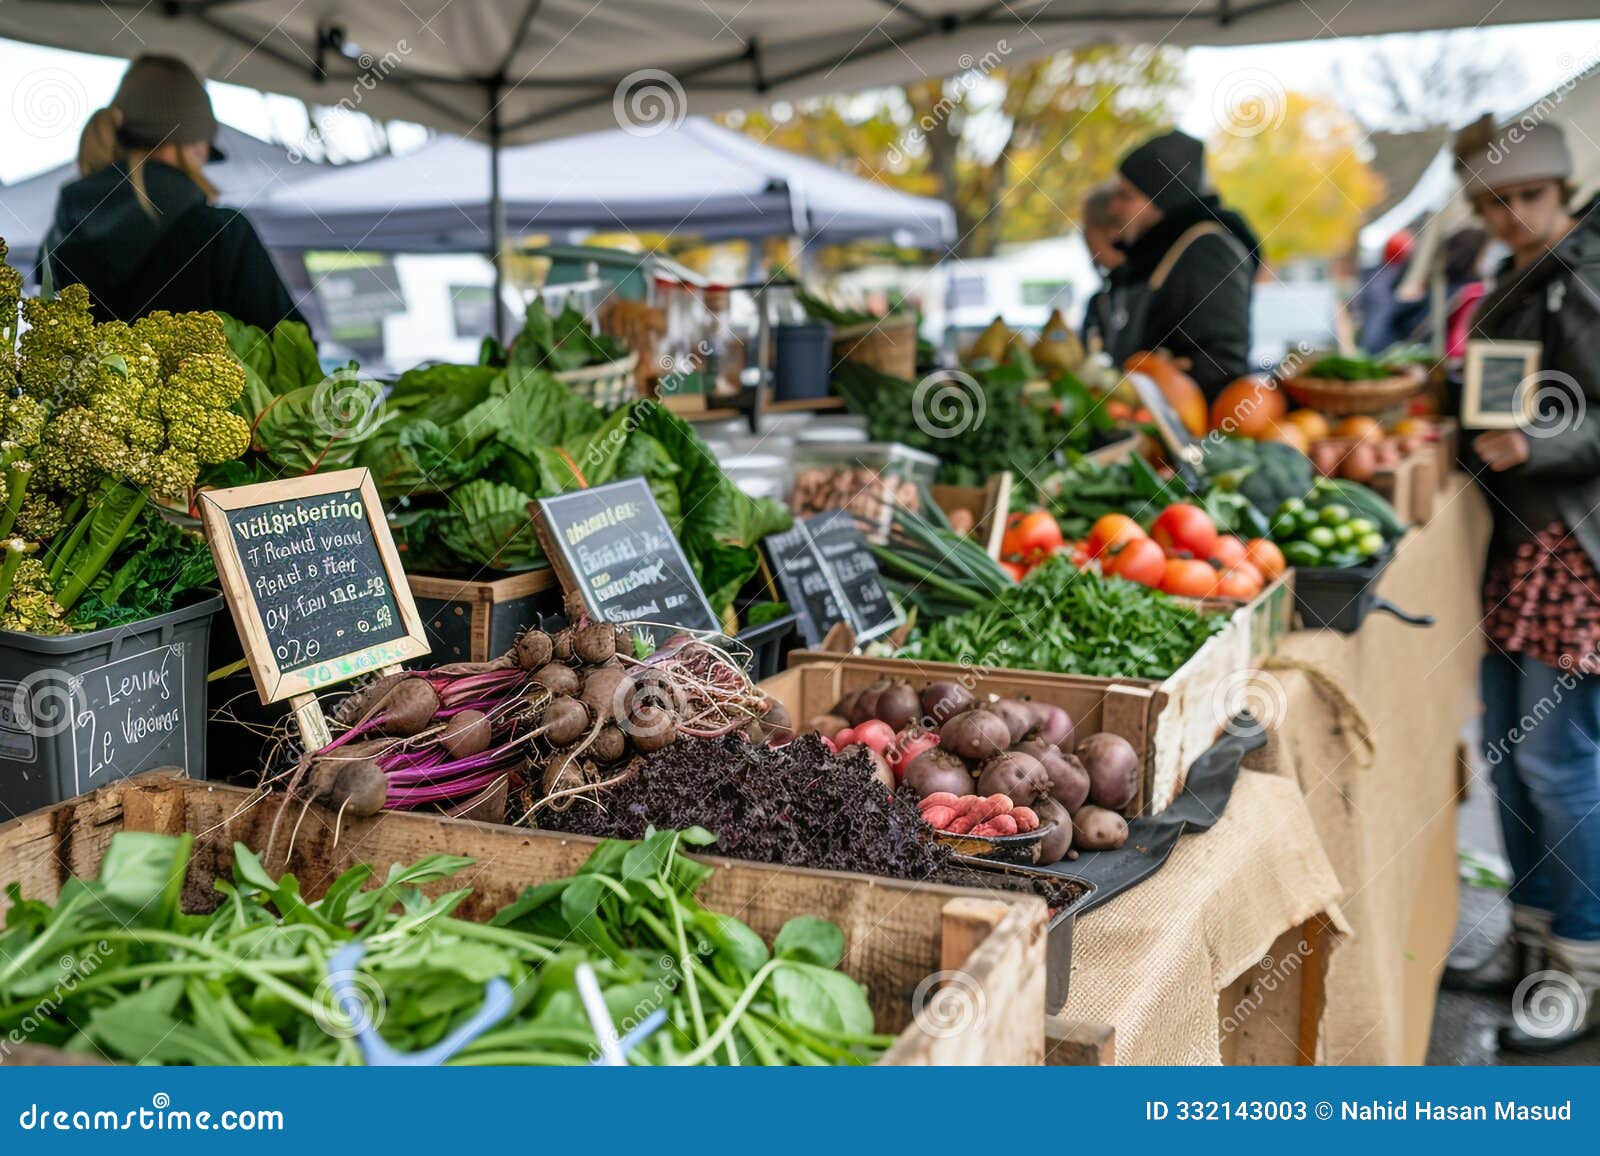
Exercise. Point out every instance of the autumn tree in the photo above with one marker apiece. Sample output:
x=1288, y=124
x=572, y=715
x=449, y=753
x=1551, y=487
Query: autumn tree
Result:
x=1011, y=149
x=1297, y=174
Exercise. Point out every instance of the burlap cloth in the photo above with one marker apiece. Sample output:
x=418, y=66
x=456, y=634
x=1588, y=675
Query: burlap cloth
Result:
x=1153, y=960
x=1385, y=810
x=1353, y=817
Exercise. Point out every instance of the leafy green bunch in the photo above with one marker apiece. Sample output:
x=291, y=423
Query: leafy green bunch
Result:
x=94, y=420
x=131, y=976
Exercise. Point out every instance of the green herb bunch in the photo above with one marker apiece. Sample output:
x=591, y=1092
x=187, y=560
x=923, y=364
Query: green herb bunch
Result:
x=115, y=967
x=94, y=420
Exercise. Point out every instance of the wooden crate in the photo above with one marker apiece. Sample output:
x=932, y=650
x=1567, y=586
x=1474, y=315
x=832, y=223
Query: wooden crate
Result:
x=897, y=934
x=1173, y=721
x=1411, y=486
x=988, y=504
x=473, y=620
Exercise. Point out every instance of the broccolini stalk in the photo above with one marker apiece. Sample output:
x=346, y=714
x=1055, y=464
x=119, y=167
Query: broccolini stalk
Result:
x=18, y=474
x=14, y=551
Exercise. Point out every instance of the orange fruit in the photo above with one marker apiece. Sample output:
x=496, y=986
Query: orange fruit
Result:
x=1264, y=555
x=1361, y=426
x=1315, y=425
x=1247, y=406
x=1287, y=432
x=1177, y=386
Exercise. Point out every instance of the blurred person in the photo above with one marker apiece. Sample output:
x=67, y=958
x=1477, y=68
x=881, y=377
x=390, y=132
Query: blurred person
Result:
x=1099, y=227
x=1189, y=269
x=1541, y=703
x=138, y=228
x=1463, y=285
x=1386, y=320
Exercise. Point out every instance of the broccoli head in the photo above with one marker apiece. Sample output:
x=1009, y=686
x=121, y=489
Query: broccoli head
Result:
x=59, y=361
x=31, y=607
x=215, y=380
x=176, y=336
x=22, y=420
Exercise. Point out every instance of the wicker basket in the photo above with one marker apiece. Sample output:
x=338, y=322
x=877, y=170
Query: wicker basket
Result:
x=1334, y=395
x=605, y=385
x=888, y=345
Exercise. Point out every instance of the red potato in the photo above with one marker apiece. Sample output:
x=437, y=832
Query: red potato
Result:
x=961, y=824
x=1097, y=829
x=1026, y=819
x=939, y=799
x=939, y=818
x=1114, y=768
x=875, y=733
x=937, y=771
x=1003, y=802
x=907, y=746
x=1004, y=825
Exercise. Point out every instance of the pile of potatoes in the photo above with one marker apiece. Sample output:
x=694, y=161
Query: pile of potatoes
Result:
x=944, y=740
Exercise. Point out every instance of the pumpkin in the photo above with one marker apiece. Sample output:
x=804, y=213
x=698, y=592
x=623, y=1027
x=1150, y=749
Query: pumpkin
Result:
x=1176, y=386
x=1247, y=407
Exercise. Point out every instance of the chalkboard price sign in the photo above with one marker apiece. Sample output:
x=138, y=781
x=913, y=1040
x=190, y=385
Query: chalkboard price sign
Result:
x=128, y=716
x=1492, y=393
x=313, y=579
x=843, y=550
x=809, y=585
x=612, y=546
x=1182, y=448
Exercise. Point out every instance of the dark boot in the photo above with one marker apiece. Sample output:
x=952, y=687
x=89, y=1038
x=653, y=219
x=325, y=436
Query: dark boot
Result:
x=1519, y=955
x=1553, y=1009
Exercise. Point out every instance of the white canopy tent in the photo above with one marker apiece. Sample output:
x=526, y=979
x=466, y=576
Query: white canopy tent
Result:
x=512, y=71
x=696, y=178
x=250, y=171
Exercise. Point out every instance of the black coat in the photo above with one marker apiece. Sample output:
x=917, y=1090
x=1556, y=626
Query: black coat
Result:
x=189, y=256
x=1554, y=301
x=1201, y=311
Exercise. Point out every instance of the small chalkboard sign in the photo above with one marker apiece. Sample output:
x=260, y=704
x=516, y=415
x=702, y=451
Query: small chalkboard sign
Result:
x=128, y=716
x=612, y=545
x=1493, y=394
x=844, y=551
x=313, y=579
x=1182, y=449
x=809, y=585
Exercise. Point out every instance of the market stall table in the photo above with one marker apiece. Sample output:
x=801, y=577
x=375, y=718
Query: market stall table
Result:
x=1220, y=956
x=1387, y=816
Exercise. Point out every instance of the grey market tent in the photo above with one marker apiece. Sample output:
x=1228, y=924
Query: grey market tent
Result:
x=252, y=170
x=696, y=178
x=511, y=71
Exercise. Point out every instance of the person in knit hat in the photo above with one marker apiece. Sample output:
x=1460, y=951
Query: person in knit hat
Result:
x=138, y=229
x=1541, y=591
x=1185, y=285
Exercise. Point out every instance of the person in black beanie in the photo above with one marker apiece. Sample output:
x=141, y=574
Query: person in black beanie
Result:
x=1186, y=284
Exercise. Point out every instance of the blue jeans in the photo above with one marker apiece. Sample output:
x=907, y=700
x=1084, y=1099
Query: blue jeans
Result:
x=1541, y=736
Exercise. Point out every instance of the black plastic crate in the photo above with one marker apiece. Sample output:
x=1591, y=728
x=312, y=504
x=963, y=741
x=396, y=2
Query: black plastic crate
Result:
x=1340, y=597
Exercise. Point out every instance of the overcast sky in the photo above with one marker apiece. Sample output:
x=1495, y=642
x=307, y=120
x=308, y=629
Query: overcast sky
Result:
x=49, y=93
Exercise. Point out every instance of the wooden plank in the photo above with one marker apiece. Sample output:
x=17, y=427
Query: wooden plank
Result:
x=447, y=589
x=1079, y=1044
x=895, y=932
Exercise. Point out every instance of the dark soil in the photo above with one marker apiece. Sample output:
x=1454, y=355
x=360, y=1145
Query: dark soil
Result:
x=798, y=805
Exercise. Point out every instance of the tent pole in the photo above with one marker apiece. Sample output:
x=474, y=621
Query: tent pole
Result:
x=497, y=213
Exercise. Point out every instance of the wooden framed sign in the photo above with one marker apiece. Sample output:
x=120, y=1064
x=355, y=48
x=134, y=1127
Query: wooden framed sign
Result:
x=313, y=579
x=1492, y=396
x=844, y=551
x=612, y=545
x=1182, y=448
x=809, y=584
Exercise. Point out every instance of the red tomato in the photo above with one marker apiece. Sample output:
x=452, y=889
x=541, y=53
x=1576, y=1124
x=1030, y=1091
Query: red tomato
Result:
x=1140, y=560
x=1037, y=533
x=1243, y=583
x=1189, y=578
x=1111, y=531
x=1018, y=573
x=1185, y=527
x=1228, y=552
x=1264, y=555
